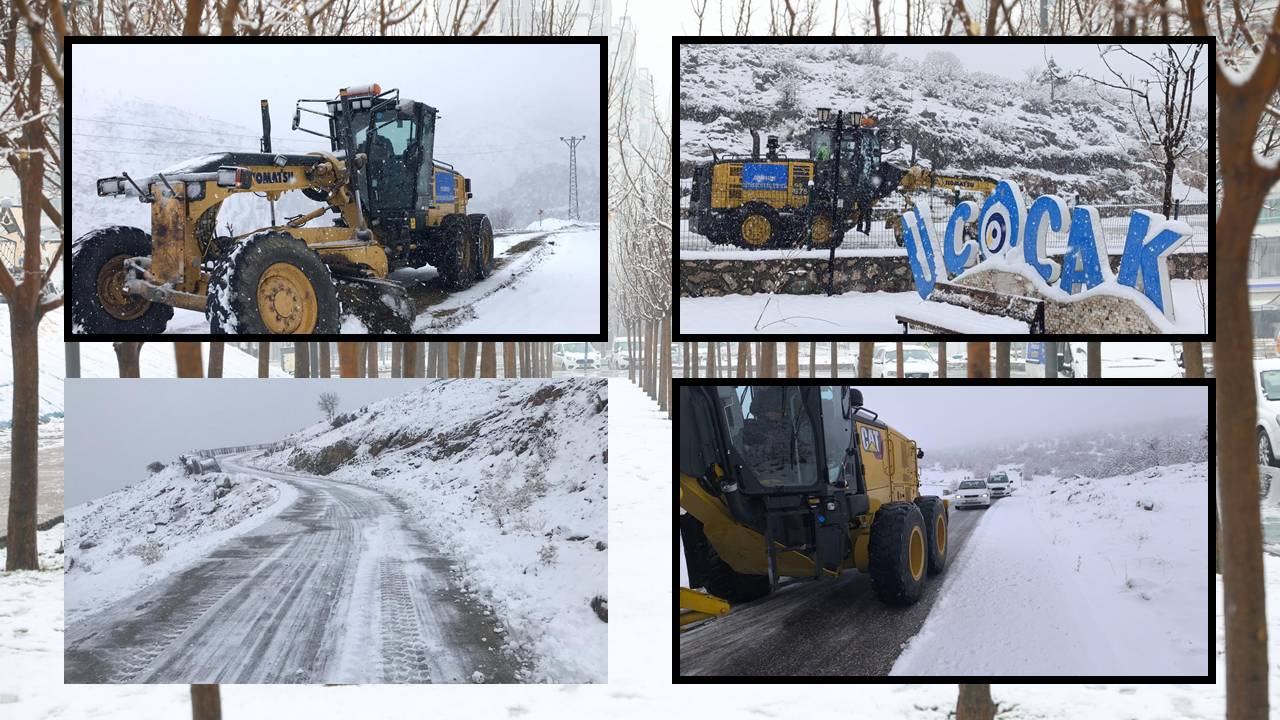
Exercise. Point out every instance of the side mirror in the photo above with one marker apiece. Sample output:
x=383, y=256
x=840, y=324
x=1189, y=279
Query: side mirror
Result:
x=919, y=453
x=297, y=117
x=467, y=182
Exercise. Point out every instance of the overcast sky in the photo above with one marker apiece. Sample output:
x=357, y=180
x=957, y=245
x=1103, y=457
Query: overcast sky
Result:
x=945, y=417
x=502, y=108
x=116, y=427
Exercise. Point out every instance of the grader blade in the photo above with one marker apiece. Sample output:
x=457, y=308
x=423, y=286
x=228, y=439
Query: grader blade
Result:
x=383, y=306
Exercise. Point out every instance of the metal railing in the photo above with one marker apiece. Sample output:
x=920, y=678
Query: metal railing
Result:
x=1114, y=218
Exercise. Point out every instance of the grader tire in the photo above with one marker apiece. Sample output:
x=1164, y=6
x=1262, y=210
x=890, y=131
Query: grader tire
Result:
x=98, y=301
x=457, y=252
x=720, y=579
x=757, y=227
x=272, y=284
x=937, y=525
x=898, y=553
x=482, y=244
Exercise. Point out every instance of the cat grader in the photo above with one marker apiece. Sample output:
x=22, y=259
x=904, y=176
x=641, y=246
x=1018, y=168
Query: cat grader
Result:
x=774, y=201
x=396, y=206
x=800, y=482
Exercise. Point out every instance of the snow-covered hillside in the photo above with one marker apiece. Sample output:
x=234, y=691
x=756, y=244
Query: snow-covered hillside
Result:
x=149, y=530
x=959, y=120
x=1078, y=576
x=511, y=477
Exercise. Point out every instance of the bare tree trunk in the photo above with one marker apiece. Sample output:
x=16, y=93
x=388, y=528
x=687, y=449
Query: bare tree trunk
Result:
x=348, y=359
x=509, y=359
x=216, y=350
x=73, y=359
x=1002, y=360
x=301, y=360
x=469, y=359
x=793, y=359
x=666, y=362
x=205, y=703
x=711, y=359
x=942, y=359
x=127, y=358
x=979, y=360
x=421, y=362
x=768, y=359
x=488, y=360
x=866, y=350
x=374, y=351
x=975, y=702
x=397, y=356
x=1193, y=359
x=314, y=349
x=409, y=362
x=359, y=360
x=835, y=359
x=1217, y=525
x=190, y=364
x=455, y=361
x=900, y=361
x=264, y=359
x=24, y=478
x=1094, y=352
x=744, y=350
x=813, y=359
x=326, y=369
x=693, y=359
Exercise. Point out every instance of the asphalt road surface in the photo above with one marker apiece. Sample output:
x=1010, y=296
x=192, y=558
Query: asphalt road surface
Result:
x=827, y=627
x=342, y=586
x=49, y=464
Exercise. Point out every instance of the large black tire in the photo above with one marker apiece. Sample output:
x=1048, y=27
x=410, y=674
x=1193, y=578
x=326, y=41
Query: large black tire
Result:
x=278, y=268
x=898, y=553
x=98, y=301
x=719, y=578
x=936, y=524
x=1266, y=453
x=757, y=226
x=457, y=267
x=482, y=244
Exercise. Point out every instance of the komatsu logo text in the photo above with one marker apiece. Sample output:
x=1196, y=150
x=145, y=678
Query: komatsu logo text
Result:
x=283, y=176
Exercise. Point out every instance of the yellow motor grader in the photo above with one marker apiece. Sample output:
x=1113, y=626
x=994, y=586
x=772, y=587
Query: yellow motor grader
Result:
x=396, y=206
x=799, y=481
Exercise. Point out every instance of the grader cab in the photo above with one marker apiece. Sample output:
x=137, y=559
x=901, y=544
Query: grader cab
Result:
x=393, y=204
x=801, y=482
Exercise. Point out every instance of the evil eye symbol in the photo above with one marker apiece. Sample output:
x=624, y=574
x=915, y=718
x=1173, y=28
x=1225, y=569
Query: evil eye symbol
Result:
x=995, y=231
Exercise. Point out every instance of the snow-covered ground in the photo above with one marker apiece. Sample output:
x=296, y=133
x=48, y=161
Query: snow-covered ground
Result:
x=550, y=288
x=855, y=312
x=152, y=529
x=1078, y=576
x=510, y=476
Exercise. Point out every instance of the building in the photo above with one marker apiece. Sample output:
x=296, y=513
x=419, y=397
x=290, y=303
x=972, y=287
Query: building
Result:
x=528, y=17
x=1264, y=277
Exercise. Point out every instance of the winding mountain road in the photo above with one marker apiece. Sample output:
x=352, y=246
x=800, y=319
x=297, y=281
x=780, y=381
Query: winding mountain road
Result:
x=341, y=587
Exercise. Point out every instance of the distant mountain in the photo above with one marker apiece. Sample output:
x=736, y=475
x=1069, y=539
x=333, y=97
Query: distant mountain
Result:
x=959, y=120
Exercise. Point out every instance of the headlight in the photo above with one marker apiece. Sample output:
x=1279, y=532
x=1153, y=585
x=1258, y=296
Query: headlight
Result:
x=108, y=187
x=195, y=190
x=236, y=177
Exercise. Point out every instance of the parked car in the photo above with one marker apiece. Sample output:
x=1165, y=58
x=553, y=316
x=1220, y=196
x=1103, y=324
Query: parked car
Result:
x=620, y=356
x=999, y=485
x=917, y=362
x=1267, y=373
x=1124, y=360
x=973, y=493
x=575, y=356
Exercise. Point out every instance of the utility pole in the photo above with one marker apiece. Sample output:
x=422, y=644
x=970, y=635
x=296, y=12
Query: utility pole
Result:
x=572, y=142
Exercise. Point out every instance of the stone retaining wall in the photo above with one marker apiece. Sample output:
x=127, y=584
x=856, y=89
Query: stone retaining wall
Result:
x=808, y=276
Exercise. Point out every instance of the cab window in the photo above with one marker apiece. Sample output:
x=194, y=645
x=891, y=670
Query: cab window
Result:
x=773, y=433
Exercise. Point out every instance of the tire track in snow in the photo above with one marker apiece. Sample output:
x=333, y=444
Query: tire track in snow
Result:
x=291, y=601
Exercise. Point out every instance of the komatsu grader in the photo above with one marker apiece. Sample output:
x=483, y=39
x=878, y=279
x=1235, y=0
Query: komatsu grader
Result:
x=396, y=206
x=776, y=201
x=799, y=481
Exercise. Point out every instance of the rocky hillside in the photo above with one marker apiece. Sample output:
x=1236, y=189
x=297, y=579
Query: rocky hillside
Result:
x=511, y=477
x=958, y=119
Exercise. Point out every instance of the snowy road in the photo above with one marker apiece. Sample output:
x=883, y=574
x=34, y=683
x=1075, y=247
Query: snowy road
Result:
x=340, y=587
x=835, y=627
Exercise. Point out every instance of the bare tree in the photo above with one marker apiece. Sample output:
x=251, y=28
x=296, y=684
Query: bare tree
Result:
x=127, y=358
x=264, y=359
x=206, y=704
x=979, y=360
x=215, y=359
x=1094, y=351
x=301, y=360
x=328, y=404
x=1193, y=359
x=1247, y=79
x=1161, y=105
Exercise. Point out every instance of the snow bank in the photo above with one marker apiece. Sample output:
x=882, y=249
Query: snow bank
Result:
x=1078, y=576
x=127, y=540
x=558, y=224
x=511, y=477
x=31, y=626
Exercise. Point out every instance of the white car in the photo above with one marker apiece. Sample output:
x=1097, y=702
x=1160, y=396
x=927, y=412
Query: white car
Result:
x=973, y=493
x=575, y=356
x=1000, y=485
x=1267, y=376
x=917, y=362
x=1126, y=360
x=620, y=356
